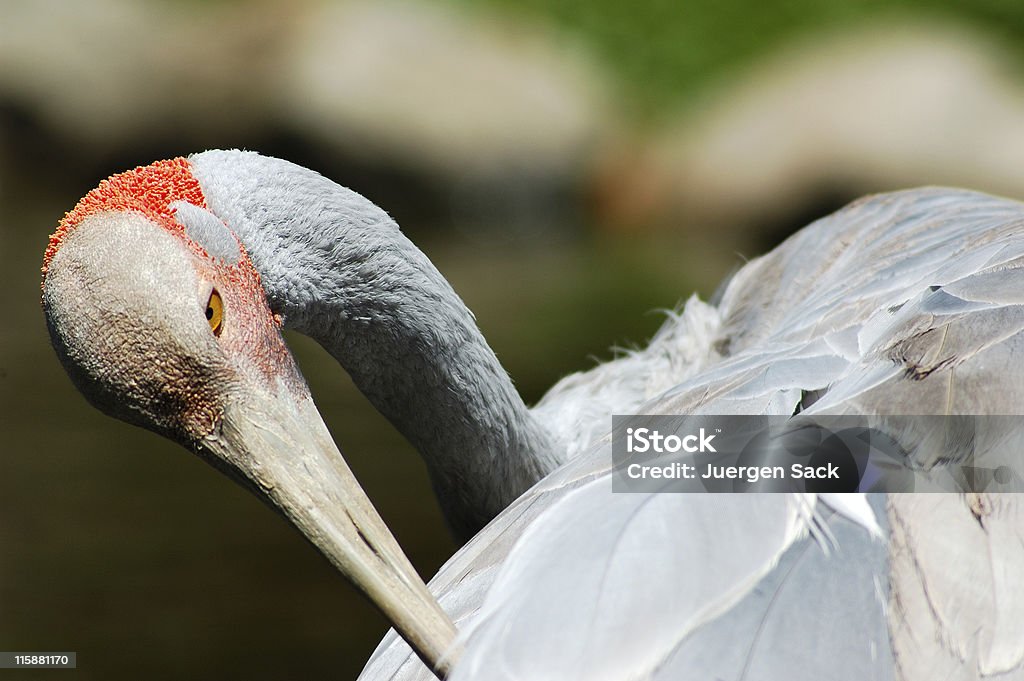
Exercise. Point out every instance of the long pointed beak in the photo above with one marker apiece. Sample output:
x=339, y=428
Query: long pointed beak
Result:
x=281, y=447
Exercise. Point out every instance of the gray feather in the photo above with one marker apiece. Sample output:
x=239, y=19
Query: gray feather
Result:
x=901, y=303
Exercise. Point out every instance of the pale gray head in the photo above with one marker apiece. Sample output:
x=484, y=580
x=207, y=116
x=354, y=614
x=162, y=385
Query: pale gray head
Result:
x=159, y=317
x=154, y=331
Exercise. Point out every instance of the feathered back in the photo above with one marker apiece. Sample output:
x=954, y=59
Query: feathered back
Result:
x=907, y=303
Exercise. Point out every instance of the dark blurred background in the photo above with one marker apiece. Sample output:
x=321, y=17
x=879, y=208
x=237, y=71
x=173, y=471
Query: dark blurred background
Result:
x=572, y=167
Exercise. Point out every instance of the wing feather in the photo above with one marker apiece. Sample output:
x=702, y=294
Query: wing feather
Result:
x=959, y=605
x=902, y=303
x=606, y=560
x=777, y=630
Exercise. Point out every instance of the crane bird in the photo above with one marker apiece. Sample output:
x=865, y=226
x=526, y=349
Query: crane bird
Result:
x=164, y=291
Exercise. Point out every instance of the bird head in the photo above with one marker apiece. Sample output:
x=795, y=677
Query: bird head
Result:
x=158, y=315
x=155, y=309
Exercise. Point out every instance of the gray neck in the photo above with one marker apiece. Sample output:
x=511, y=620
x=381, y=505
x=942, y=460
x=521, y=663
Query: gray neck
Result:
x=340, y=271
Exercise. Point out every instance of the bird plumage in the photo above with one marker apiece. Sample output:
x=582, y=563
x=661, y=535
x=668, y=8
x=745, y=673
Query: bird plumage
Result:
x=339, y=270
x=900, y=303
x=159, y=317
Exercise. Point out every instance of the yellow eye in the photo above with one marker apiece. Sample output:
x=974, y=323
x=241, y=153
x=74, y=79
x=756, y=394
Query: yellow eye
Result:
x=215, y=312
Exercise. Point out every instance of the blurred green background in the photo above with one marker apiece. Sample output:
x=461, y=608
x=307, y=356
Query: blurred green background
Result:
x=572, y=167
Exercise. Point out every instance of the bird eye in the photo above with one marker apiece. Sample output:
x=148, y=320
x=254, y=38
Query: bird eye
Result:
x=215, y=312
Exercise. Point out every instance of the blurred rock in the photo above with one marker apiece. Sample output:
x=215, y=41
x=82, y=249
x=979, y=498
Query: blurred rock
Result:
x=839, y=115
x=456, y=104
x=457, y=92
x=113, y=72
